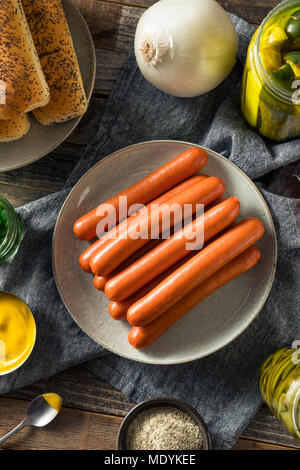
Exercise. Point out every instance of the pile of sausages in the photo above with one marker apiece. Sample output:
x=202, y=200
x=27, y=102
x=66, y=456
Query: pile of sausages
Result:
x=152, y=282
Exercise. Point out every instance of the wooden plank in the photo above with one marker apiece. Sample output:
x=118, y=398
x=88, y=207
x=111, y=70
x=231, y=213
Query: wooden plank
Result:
x=80, y=389
x=83, y=390
x=245, y=444
x=47, y=175
x=71, y=430
x=108, y=67
x=112, y=25
x=19, y=195
x=254, y=11
x=266, y=427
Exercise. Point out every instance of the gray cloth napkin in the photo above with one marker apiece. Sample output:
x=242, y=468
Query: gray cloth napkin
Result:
x=223, y=387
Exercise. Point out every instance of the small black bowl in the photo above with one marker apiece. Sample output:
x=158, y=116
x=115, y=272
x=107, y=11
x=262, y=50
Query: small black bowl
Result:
x=162, y=401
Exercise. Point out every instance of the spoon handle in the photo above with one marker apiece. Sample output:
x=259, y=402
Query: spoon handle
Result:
x=12, y=432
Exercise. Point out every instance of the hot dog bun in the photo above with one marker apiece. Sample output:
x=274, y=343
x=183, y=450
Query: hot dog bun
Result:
x=68, y=99
x=14, y=129
x=52, y=38
x=22, y=83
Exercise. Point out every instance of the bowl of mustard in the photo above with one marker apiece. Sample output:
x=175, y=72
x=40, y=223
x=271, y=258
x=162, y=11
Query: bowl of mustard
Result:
x=17, y=332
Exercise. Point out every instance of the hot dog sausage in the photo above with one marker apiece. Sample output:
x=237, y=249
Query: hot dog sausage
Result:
x=118, y=309
x=84, y=260
x=143, y=336
x=180, y=168
x=144, y=269
x=99, y=282
x=199, y=268
x=117, y=250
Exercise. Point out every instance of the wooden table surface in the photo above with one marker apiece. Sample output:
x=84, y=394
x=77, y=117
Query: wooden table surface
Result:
x=93, y=409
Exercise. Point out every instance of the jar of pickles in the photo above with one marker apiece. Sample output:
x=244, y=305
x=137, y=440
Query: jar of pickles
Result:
x=270, y=95
x=280, y=387
x=11, y=233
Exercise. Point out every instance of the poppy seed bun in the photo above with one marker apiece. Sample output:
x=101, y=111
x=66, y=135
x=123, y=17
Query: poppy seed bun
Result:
x=67, y=100
x=14, y=129
x=53, y=41
x=22, y=83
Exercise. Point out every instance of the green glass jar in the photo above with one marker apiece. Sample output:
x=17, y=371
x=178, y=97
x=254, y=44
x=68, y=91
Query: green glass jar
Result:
x=280, y=387
x=11, y=232
x=270, y=93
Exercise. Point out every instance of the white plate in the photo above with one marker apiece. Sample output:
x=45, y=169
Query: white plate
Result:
x=214, y=322
x=41, y=140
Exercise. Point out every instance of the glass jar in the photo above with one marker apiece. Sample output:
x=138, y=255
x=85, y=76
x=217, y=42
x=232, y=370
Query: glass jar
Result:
x=280, y=387
x=270, y=98
x=11, y=232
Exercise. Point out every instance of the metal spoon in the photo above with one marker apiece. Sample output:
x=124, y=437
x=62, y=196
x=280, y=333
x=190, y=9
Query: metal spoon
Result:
x=38, y=413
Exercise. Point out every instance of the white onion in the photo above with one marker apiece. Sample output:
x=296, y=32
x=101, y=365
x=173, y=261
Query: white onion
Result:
x=185, y=47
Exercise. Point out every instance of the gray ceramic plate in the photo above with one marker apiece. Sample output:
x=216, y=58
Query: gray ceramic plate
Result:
x=212, y=324
x=41, y=140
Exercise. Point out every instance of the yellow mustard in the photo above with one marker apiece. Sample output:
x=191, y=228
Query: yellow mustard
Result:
x=17, y=332
x=54, y=400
